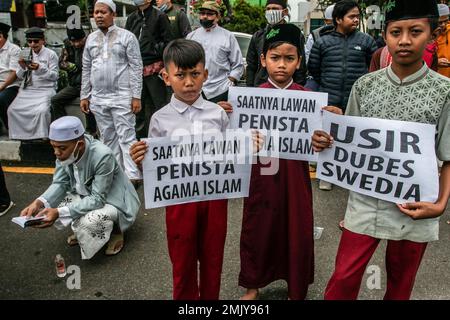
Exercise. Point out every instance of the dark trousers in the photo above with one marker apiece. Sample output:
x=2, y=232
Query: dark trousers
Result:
x=63, y=98
x=7, y=96
x=355, y=251
x=154, y=97
x=4, y=194
x=220, y=97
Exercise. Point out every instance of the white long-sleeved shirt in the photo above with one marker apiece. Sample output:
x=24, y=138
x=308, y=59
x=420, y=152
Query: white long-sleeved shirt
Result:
x=46, y=76
x=223, y=59
x=9, y=57
x=178, y=118
x=308, y=47
x=112, y=66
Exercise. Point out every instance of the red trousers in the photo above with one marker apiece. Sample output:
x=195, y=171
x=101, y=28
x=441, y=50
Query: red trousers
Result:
x=196, y=234
x=355, y=251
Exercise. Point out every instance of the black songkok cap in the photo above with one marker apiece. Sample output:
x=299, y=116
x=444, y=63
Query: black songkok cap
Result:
x=75, y=34
x=283, y=32
x=282, y=3
x=410, y=9
x=34, y=33
x=4, y=28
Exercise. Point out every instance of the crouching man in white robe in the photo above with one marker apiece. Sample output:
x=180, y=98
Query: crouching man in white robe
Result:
x=89, y=191
x=29, y=113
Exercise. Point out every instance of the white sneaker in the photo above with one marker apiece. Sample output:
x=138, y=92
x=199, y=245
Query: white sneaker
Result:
x=325, y=185
x=11, y=204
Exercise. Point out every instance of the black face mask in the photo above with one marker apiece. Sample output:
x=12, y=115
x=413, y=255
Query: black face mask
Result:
x=206, y=23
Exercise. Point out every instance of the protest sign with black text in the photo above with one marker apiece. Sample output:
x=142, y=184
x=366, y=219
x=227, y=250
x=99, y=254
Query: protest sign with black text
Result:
x=386, y=159
x=287, y=118
x=193, y=168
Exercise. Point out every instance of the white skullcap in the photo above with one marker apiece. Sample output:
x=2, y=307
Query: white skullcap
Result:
x=329, y=12
x=109, y=3
x=443, y=10
x=66, y=129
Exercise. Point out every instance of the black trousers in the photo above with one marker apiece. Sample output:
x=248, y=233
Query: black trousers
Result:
x=4, y=194
x=7, y=96
x=220, y=97
x=65, y=97
x=155, y=95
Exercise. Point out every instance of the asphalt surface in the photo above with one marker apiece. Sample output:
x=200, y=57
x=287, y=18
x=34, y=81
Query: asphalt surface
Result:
x=143, y=270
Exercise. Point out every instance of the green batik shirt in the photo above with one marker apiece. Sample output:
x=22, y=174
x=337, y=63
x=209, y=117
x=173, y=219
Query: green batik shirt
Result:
x=422, y=97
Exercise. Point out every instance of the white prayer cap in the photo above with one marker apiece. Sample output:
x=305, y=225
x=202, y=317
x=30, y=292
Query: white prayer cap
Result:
x=109, y=3
x=66, y=129
x=443, y=10
x=329, y=12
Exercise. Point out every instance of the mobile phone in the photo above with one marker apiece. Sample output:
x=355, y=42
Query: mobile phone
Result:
x=33, y=223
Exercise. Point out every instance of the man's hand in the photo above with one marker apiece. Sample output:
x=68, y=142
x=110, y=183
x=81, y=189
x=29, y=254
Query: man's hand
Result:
x=333, y=109
x=321, y=140
x=22, y=63
x=2, y=87
x=135, y=105
x=137, y=152
x=232, y=80
x=84, y=105
x=421, y=210
x=258, y=141
x=443, y=63
x=226, y=106
x=51, y=215
x=33, y=66
x=32, y=209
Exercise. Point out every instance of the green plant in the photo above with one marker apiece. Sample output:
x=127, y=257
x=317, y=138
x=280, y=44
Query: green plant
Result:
x=246, y=18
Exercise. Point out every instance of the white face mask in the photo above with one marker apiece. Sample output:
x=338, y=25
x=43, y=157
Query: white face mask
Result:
x=274, y=16
x=72, y=158
x=163, y=7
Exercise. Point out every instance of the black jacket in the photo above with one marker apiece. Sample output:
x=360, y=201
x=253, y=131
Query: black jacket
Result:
x=156, y=33
x=255, y=73
x=337, y=61
x=179, y=22
x=75, y=56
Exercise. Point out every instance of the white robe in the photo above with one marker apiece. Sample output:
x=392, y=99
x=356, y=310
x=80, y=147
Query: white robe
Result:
x=92, y=230
x=29, y=113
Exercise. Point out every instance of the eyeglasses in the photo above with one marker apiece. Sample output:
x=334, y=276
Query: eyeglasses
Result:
x=33, y=40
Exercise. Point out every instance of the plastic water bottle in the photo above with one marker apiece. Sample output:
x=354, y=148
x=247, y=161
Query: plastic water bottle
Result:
x=60, y=266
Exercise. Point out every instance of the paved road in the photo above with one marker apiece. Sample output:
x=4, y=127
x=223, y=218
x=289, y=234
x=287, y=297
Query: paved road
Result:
x=142, y=270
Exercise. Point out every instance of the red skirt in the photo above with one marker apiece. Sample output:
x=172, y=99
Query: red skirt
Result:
x=277, y=229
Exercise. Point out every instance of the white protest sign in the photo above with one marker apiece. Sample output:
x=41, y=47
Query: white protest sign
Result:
x=195, y=168
x=287, y=118
x=386, y=159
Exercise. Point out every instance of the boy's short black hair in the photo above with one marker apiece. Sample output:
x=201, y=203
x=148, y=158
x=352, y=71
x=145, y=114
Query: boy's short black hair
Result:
x=185, y=54
x=274, y=45
x=341, y=8
x=4, y=34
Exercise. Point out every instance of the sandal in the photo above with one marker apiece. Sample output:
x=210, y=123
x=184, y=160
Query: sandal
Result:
x=4, y=208
x=115, y=244
x=72, y=240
